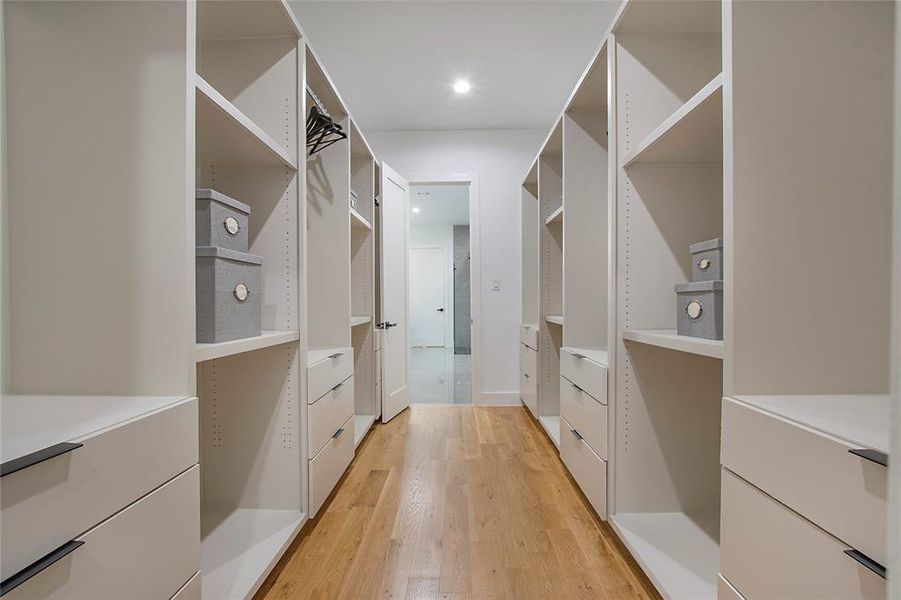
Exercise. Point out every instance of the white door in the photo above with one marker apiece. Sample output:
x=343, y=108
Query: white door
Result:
x=428, y=294
x=395, y=292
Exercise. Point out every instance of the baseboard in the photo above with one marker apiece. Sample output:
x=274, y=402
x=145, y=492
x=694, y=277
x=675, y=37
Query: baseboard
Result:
x=497, y=399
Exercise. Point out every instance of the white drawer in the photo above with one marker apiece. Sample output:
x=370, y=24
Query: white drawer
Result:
x=51, y=502
x=328, y=413
x=585, y=414
x=148, y=551
x=528, y=360
x=329, y=372
x=585, y=373
x=812, y=473
x=725, y=591
x=190, y=591
x=528, y=335
x=770, y=552
x=528, y=392
x=328, y=466
x=586, y=467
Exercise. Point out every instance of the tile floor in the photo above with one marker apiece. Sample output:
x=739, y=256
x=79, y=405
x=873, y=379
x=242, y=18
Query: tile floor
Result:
x=441, y=377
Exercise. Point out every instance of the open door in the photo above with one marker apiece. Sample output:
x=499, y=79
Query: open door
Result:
x=395, y=293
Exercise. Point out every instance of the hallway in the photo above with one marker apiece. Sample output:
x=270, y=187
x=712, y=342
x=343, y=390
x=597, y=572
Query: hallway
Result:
x=456, y=502
x=438, y=376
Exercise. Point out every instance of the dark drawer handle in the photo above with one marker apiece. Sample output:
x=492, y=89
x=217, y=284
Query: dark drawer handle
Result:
x=867, y=562
x=335, y=355
x=578, y=389
x=526, y=375
x=39, y=456
x=579, y=356
x=880, y=458
x=14, y=581
x=337, y=387
x=337, y=433
x=576, y=434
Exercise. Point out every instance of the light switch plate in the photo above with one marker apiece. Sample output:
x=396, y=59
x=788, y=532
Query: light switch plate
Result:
x=495, y=285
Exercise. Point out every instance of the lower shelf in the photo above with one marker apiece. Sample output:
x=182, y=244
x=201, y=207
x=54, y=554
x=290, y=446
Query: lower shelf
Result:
x=266, y=339
x=668, y=338
x=552, y=426
x=362, y=423
x=679, y=552
x=241, y=546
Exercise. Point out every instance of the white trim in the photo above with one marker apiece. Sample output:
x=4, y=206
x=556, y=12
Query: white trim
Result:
x=475, y=252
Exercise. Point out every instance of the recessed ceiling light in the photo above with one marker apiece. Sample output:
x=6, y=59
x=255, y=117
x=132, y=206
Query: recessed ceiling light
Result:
x=461, y=86
x=415, y=209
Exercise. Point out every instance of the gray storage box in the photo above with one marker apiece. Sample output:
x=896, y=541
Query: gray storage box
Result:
x=229, y=303
x=707, y=260
x=220, y=221
x=700, y=309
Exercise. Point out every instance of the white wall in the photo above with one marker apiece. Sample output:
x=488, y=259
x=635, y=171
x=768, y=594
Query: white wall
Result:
x=439, y=236
x=501, y=159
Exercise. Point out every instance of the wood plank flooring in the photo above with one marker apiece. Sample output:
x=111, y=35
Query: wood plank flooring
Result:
x=457, y=502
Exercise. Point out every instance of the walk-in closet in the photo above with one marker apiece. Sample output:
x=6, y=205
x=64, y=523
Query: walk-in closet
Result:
x=667, y=231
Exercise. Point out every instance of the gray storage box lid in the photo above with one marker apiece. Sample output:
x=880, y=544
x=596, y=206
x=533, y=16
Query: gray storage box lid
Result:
x=217, y=252
x=700, y=286
x=705, y=246
x=208, y=194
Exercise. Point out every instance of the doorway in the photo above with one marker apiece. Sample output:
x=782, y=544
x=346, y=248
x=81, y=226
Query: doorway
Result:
x=440, y=294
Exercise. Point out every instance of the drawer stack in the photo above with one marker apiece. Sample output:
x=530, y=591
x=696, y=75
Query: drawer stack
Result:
x=330, y=392
x=804, y=506
x=583, y=424
x=100, y=497
x=528, y=367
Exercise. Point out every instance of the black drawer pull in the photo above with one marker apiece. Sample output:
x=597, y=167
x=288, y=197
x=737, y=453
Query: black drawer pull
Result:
x=576, y=434
x=39, y=456
x=337, y=433
x=335, y=355
x=337, y=387
x=880, y=458
x=867, y=562
x=578, y=389
x=14, y=581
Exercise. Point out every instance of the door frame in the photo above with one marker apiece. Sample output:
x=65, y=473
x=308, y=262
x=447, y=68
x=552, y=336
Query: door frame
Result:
x=475, y=262
x=444, y=324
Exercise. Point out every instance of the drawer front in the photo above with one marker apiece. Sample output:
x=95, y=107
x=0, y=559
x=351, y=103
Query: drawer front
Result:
x=528, y=392
x=528, y=336
x=48, y=504
x=326, y=374
x=584, y=414
x=328, y=413
x=725, y=591
x=812, y=473
x=328, y=466
x=586, y=467
x=148, y=551
x=585, y=373
x=528, y=360
x=190, y=591
x=768, y=551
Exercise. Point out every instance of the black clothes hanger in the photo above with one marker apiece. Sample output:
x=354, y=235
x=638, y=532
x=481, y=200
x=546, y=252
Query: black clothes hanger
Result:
x=322, y=131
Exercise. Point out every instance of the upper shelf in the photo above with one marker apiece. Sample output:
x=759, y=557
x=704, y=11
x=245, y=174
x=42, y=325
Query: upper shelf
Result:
x=245, y=19
x=670, y=16
x=226, y=135
x=357, y=220
x=668, y=338
x=694, y=133
x=555, y=319
x=555, y=217
x=266, y=339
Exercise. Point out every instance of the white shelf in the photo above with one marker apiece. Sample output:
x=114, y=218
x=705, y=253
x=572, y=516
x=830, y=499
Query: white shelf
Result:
x=679, y=552
x=357, y=220
x=598, y=355
x=226, y=135
x=314, y=355
x=552, y=427
x=859, y=419
x=694, y=133
x=32, y=423
x=240, y=547
x=668, y=338
x=555, y=217
x=361, y=320
x=362, y=423
x=555, y=319
x=204, y=352
x=245, y=20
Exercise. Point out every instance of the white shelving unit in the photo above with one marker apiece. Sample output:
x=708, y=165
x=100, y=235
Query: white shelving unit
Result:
x=205, y=352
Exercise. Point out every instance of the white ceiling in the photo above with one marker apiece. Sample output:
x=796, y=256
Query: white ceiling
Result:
x=444, y=204
x=394, y=62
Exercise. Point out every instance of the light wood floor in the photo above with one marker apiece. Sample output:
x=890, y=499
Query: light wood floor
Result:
x=456, y=502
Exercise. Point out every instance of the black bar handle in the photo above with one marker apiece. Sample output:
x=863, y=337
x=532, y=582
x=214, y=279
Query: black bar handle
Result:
x=337, y=433
x=867, y=562
x=880, y=458
x=39, y=456
x=335, y=355
x=577, y=435
x=14, y=581
x=390, y=325
x=578, y=389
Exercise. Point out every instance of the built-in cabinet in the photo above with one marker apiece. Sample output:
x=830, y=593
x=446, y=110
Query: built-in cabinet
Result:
x=747, y=467
x=229, y=447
